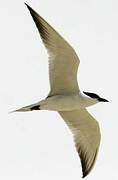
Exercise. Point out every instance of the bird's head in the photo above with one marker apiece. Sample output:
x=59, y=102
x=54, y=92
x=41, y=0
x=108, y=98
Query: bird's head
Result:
x=95, y=96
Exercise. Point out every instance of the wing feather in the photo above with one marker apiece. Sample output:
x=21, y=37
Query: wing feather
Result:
x=86, y=136
x=63, y=60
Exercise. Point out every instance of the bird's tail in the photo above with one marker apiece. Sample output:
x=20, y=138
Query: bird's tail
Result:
x=31, y=107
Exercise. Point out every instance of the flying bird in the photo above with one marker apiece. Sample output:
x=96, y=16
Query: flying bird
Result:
x=65, y=96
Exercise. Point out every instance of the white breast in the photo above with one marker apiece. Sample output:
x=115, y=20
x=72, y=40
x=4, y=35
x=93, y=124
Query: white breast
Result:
x=67, y=102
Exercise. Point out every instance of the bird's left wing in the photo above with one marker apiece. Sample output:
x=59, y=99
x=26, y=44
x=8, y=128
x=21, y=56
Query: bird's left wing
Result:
x=63, y=60
x=86, y=135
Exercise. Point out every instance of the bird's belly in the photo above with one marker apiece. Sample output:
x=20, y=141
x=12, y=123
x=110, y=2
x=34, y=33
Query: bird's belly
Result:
x=60, y=103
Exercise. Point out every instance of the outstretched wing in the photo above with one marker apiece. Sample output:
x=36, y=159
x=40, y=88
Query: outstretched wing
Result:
x=63, y=61
x=86, y=135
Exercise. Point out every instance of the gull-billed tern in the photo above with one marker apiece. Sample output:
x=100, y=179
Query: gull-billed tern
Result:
x=65, y=95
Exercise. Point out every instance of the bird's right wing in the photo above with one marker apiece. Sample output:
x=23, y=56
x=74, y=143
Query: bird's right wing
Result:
x=63, y=60
x=86, y=135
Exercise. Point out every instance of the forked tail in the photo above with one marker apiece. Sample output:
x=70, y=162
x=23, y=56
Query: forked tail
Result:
x=32, y=107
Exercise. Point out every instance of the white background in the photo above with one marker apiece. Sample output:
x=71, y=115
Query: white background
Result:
x=38, y=145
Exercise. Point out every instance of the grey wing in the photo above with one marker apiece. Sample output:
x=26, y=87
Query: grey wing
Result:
x=86, y=136
x=63, y=61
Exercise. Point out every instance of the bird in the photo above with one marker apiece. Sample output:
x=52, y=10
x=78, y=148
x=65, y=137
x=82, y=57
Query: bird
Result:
x=65, y=96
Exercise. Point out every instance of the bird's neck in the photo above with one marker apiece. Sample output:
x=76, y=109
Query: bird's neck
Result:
x=86, y=100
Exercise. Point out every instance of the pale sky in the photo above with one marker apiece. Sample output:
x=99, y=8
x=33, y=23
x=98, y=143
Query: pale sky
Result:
x=38, y=145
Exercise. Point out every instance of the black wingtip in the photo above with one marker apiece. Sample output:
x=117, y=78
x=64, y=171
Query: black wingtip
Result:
x=30, y=9
x=27, y=6
x=84, y=175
